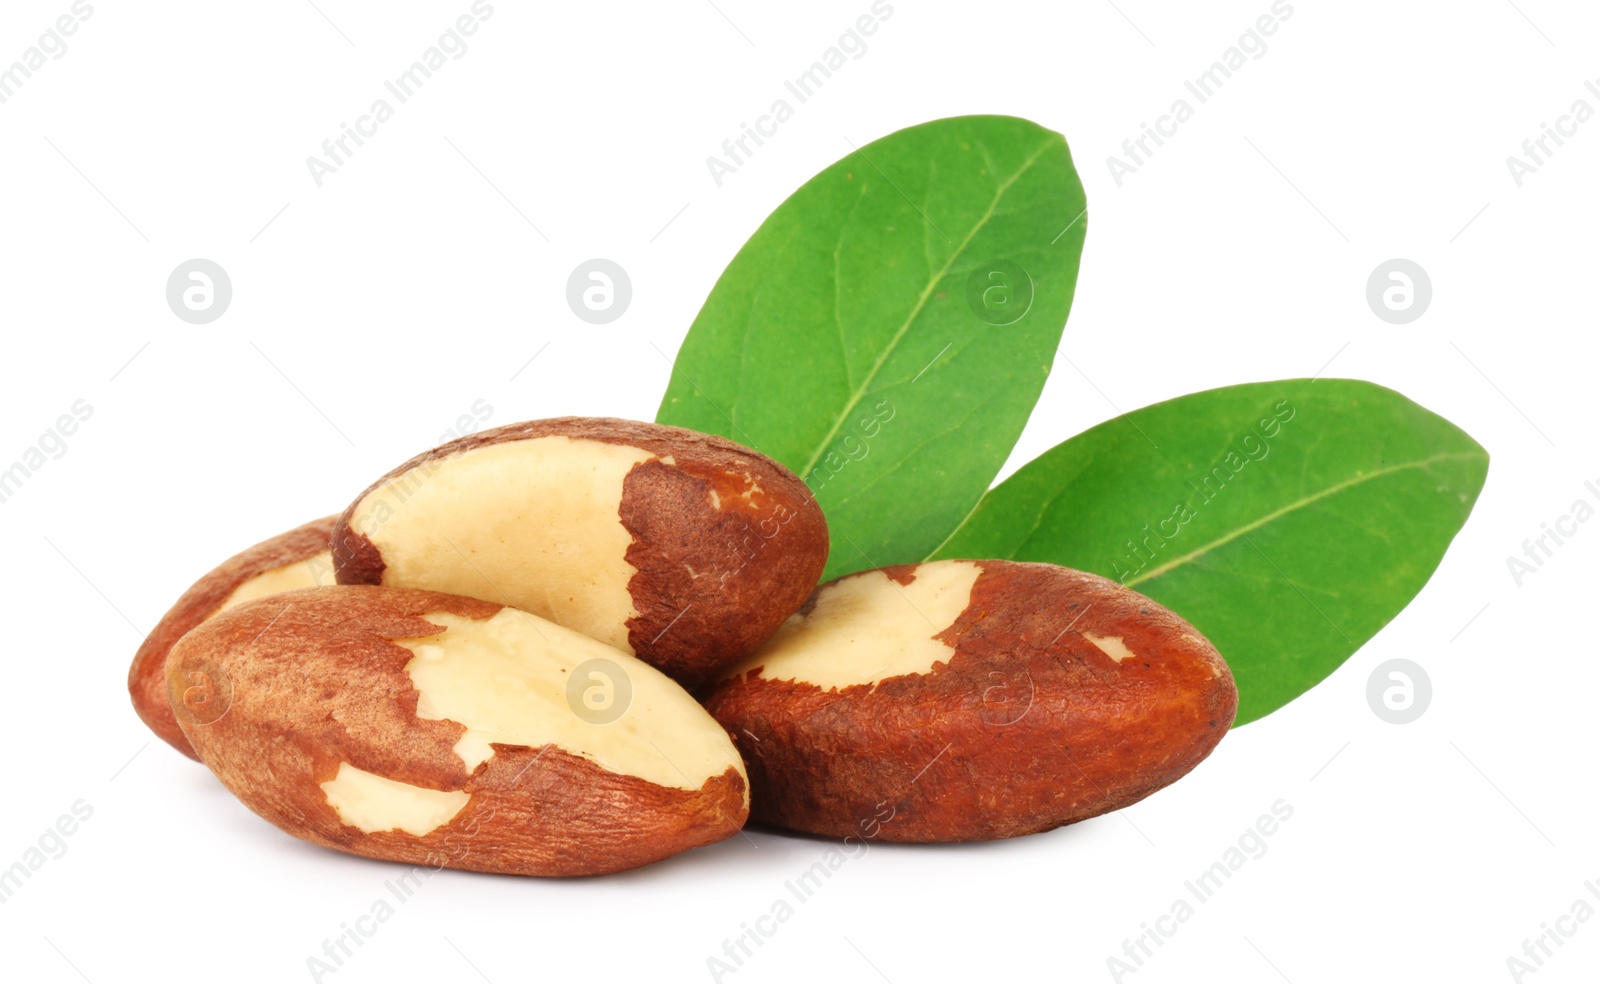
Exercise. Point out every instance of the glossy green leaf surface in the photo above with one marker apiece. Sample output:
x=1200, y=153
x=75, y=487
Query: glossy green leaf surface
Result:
x=887, y=331
x=1288, y=521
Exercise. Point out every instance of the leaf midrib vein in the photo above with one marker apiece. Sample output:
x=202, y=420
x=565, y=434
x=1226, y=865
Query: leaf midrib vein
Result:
x=922, y=300
x=1300, y=503
x=906, y=458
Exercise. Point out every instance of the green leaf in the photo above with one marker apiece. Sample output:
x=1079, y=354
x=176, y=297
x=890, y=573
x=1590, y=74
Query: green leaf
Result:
x=1288, y=521
x=841, y=340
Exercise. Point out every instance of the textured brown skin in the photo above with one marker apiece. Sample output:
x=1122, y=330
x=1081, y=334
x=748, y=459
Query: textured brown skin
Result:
x=1094, y=736
x=147, y=683
x=316, y=680
x=757, y=560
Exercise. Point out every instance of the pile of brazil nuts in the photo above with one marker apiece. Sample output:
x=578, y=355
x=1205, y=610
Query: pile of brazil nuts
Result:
x=580, y=645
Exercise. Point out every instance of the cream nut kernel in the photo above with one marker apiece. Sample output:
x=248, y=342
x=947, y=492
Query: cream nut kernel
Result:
x=684, y=549
x=970, y=700
x=436, y=729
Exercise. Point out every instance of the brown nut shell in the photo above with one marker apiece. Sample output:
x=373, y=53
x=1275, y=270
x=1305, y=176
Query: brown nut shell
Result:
x=1049, y=696
x=275, y=560
x=684, y=549
x=395, y=724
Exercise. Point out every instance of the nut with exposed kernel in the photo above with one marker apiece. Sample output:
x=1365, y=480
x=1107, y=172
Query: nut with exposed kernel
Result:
x=684, y=549
x=297, y=559
x=970, y=700
x=440, y=730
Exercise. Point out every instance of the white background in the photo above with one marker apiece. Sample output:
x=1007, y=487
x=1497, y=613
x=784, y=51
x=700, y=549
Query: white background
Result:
x=373, y=311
